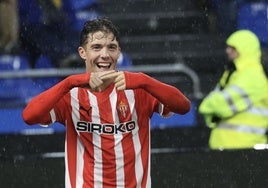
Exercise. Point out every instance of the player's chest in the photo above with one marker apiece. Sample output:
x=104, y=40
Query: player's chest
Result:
x=119, y=108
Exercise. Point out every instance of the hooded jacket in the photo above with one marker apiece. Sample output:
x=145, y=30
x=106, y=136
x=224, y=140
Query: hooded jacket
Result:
x=237, y=109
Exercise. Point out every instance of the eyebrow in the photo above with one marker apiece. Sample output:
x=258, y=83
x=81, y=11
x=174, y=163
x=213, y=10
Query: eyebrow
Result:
x=112, y=44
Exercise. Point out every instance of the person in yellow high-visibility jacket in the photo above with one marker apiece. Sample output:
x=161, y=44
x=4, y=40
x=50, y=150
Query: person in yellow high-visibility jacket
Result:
x=237, y=109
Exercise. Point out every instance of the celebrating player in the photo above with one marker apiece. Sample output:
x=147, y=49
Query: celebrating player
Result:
x=106, y=114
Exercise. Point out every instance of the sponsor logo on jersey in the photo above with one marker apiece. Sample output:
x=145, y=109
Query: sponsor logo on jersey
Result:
x=125, y=127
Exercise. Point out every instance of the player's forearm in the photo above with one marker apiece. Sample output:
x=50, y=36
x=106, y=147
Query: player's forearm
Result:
x=168, y=95
x=38, y=109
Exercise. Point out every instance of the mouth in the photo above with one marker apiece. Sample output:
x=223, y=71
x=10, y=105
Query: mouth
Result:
x=104, y=66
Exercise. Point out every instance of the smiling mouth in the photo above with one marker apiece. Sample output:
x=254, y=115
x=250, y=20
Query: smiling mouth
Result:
x=104, y=66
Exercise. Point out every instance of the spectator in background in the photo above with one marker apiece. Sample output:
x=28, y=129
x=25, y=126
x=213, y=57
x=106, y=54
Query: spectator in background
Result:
x=47, y=28
x=237, y=109
x=106, y=114
x=9, y=26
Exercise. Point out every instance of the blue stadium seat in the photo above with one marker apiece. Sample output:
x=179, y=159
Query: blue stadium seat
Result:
x=81, y=11
x=83, y=4
x=82, y=16
x=187, y=120
x=254, y=16
x=15, y=90
x=16, y=125
x=10, y=62
x=124, y=60
x=45, y=63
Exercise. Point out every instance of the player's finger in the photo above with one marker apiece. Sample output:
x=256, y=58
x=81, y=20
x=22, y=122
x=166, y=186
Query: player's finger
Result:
x=119, y=77
x=110, y=75
x=106, y=74
x=120, y=85
x=120, y=88
x=95, y=82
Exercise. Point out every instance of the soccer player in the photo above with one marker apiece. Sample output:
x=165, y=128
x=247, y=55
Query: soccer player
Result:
x=106, y=114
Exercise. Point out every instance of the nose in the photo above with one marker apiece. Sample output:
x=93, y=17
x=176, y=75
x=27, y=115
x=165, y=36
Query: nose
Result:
x=104, y=53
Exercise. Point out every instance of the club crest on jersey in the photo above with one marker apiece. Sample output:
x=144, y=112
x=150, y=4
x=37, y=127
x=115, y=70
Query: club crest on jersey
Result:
x=122, y=107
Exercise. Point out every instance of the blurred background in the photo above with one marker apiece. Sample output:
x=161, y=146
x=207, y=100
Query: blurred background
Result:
x=178, y=42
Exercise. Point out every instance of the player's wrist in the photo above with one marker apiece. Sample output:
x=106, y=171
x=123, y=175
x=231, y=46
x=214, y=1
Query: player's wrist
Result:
x=78, y=80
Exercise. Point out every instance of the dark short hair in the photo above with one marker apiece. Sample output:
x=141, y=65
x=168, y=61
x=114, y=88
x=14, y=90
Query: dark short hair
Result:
x=98, y=24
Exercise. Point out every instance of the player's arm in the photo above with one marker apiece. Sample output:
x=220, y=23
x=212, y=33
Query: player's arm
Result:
x=168, y=95
x=38, y=109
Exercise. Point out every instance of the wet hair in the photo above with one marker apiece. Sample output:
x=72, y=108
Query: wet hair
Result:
x=98, y=24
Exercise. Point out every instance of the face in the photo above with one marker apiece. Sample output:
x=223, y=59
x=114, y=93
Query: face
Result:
x=231, y=52
x=100, y=52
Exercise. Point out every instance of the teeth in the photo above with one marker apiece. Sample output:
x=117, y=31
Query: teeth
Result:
x=103, y=65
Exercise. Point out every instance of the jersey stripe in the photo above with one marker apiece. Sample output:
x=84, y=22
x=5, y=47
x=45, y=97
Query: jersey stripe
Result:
x=67, y=175
x=85, y=115
x=127, y=142
x=107, y=141
x=80, y=147
x=79, y=164
x=52, y=115
x=136, y=140
x=118, y=146
x=96, y=140
x=71, y=145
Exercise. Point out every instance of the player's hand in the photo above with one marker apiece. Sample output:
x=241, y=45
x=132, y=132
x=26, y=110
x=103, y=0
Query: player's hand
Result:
x=98, y=78
x=118, y=78
x=120, y=81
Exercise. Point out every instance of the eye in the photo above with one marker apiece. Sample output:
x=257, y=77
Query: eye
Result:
x=112, y=47
x=96, y=47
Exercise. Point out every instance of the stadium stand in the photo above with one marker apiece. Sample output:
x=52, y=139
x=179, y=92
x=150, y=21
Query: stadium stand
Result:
x=153, y=32
x=153, y=36
x=253, y=16
x=161, y=32
x=16, y=91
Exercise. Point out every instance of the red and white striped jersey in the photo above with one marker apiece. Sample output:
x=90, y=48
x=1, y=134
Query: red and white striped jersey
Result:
x=107, y=137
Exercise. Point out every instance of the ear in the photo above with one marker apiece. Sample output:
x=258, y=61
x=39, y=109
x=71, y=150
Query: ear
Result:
x=82, y=52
